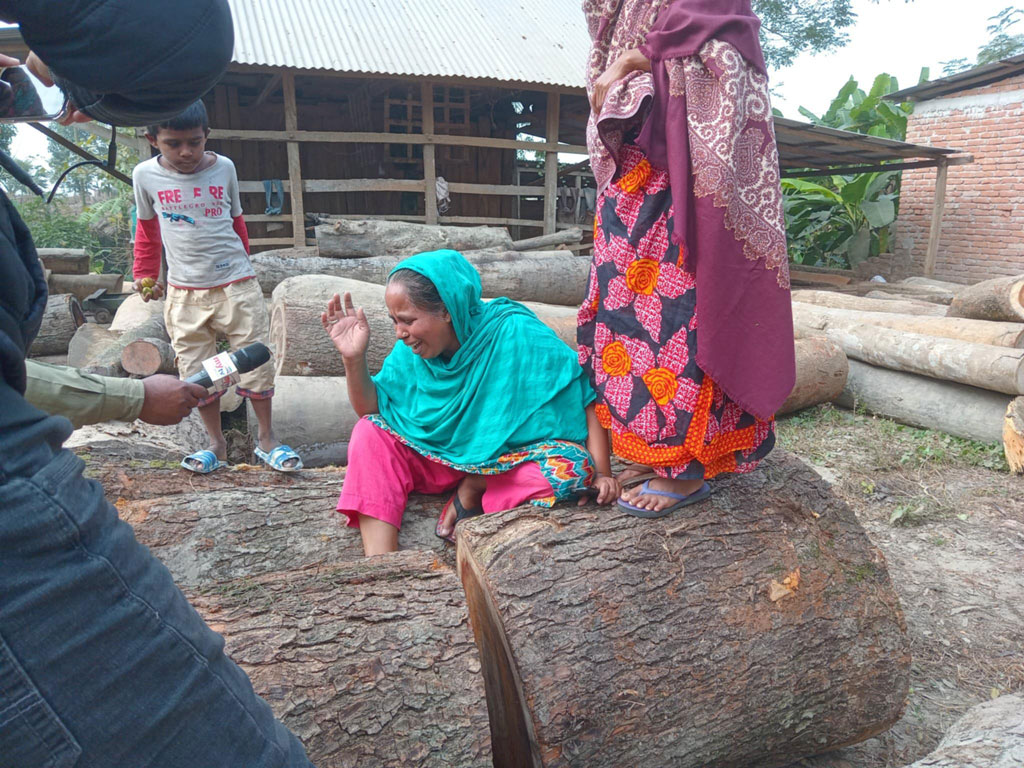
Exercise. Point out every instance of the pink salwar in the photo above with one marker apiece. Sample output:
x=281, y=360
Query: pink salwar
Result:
x=382, y=472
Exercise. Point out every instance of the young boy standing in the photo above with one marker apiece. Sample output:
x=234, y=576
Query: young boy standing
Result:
x=188, y=202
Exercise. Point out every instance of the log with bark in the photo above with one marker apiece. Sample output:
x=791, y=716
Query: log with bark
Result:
x=99, y=351
x=892, y=294
x=807, y=276
x=302, y=346
x=757, y=628
x=990, y=735
x=62, y=317
x=813, y=318
x=542, y=242
x=550, y=277
x=369, y=663
x=944, y=285
x=999, y=369
x=998, y=299
x=65, y=261
x=821, y=370
x=919, y=292
x=144, y=357
x=1013, y=435
x=82, y=286
x=312, y=414
x=346, y=238
x=134, y=311
x=968, y=412
x=867, y=304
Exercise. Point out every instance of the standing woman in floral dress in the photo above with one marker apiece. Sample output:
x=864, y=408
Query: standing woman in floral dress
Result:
x=686, y=330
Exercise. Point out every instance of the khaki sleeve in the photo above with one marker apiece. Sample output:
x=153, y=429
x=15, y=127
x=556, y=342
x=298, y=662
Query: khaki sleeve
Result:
x=83, y=398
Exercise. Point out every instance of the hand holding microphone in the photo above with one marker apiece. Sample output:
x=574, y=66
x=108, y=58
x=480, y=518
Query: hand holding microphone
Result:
x=220, y=369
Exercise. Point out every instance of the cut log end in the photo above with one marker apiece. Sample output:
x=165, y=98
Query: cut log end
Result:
x=1013, y=435
x=144, y=357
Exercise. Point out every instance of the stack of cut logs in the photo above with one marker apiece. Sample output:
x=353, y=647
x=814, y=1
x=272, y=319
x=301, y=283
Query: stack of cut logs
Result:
x=929, y=353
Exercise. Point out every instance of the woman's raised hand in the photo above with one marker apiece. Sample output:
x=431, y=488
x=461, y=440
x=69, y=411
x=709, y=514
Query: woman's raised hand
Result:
x=347, y=327
x=626, y=62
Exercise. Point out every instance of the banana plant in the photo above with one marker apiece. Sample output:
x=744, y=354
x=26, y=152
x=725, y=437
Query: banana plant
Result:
x=841, y=223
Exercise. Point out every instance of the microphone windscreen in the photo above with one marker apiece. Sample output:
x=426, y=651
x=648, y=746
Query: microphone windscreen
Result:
x=251, y=357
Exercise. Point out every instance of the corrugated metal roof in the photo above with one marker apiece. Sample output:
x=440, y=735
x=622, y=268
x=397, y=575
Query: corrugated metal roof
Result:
x=524, y=41
x=972, y=78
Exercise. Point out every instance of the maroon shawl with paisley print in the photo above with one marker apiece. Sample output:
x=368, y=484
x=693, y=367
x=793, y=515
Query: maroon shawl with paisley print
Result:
x=703, y=113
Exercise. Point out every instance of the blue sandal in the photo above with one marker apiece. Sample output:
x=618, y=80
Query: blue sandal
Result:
x=682, y=500
x=208, y=462
x=278, y=456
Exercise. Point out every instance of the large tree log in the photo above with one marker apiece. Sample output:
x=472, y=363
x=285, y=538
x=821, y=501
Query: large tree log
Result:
x=757, y=628
x=302, y=346
x=998, y=299
x=92, y=344
x=542, y=242
x=920, y=292
x=134, y=311
x=821, y=370
x=63, y=316
x=990, y=735
x=65, y=261
x=369, y=663
x=312, y=414
x=867, y=304
x=975, y=414
x=550, y=277
x=978, y=331
x=144, y=357
x=344, y=238
x=1013, y=435
x=978, y=365
x=99, y=351
x=944, y=285
x=82, y=286
x=938, y=299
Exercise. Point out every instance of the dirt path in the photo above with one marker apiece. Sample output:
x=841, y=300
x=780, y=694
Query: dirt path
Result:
x=950, y=521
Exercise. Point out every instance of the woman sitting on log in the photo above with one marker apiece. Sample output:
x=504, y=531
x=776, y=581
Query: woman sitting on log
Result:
x=686, y=330
x=479, y=398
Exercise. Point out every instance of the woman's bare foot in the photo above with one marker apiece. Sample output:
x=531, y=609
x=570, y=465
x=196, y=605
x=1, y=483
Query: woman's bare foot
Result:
x=470, y=493
x=652, y=502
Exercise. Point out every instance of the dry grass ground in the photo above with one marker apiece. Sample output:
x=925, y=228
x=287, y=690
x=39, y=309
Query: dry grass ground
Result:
x=950, y=520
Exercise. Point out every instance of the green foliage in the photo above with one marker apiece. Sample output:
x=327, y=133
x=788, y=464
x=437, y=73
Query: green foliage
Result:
x=7, y=133
x=1001, y=45
x=839, y=221
x=54, y=226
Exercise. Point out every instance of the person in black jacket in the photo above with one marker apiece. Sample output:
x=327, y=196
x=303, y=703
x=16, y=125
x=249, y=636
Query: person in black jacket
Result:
x=103, y=663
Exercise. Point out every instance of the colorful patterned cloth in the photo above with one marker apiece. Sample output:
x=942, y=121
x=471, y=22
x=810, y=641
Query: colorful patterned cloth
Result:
x=638, y=331
x=567, y=466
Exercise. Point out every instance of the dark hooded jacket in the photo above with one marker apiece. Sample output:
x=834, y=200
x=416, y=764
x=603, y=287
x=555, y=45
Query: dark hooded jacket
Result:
x=130, y=62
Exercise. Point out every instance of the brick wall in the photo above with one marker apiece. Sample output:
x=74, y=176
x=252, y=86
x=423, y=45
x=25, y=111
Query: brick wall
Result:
x=983, y=225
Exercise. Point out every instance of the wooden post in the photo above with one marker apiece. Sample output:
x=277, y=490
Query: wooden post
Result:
x=551, y=167
x=937, y=209
x=429, y=154
x=291, y=123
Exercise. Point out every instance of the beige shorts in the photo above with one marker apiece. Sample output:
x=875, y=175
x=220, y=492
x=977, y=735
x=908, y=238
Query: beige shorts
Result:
x=237, y=311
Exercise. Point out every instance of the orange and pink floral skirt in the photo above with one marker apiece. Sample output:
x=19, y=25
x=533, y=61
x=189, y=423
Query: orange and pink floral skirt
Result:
x=637, y=338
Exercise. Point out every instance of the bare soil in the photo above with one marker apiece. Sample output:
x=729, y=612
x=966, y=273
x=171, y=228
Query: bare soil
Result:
x=949, y=518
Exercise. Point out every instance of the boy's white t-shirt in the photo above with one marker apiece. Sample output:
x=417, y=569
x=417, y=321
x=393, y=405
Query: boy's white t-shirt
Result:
x=196, y=212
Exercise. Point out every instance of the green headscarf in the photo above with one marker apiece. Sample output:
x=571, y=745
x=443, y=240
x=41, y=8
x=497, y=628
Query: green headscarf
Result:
x=512, y=382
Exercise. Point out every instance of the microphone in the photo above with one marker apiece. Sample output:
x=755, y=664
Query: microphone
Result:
x=223, y=366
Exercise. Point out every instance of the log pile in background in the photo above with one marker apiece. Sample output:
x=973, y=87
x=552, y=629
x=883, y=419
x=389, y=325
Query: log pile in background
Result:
x=959, y=373
x=63, y=316
x=82, y=286
x=551, y=277
x=348, y=239
x=64, y=261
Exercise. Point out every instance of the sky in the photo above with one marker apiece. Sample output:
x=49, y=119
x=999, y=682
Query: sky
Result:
x=890, y=36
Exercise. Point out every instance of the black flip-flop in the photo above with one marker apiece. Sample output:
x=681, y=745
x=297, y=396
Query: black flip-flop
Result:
x=682, y=500
x=461, y=513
